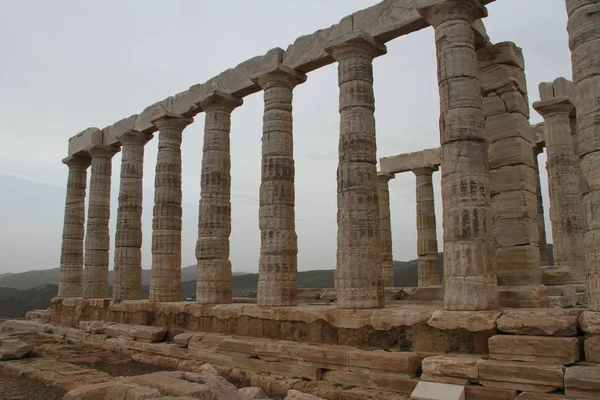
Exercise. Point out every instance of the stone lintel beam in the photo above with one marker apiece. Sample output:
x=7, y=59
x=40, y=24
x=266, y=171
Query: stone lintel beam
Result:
x=81, y=142
x=384, y=21
x=429, y=158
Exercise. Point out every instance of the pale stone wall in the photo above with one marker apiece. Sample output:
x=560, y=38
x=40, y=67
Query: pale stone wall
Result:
x=128, y=239
x=470, y=259
x=166, y=225
x=358, y=269
x=71, y=254
x=97, y=236
x=584, y=42
x=213, y=284
x=513, y=177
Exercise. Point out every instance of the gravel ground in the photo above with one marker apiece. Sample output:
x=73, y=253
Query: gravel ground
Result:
x=12, y=388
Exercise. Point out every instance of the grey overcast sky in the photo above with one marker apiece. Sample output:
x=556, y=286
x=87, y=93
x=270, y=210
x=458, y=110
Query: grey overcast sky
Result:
x=71, y=64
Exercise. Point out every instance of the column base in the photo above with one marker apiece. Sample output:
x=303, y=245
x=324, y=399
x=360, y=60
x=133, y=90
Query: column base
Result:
x=531, y=296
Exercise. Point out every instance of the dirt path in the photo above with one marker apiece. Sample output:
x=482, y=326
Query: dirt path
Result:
x=12, y=388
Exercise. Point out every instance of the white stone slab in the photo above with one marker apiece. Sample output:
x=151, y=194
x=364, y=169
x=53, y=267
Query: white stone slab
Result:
x=438, y=391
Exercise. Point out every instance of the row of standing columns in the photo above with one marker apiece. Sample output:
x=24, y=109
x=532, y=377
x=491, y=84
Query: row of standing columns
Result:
x=471, y=281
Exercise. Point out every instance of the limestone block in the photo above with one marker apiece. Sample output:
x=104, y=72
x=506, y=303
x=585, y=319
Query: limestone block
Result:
x=183, y=339
x=512, y=178
x=515, y=265
x=521, y=376
x=85, y=140
x=472, y=321
x=444, y=379
x=171, y=385
x=516, y=232
x=516, y=102
x=96, y=391
x=493, y=105
x=92, y=326
x=589, y=322
x=510, y=151
x=586, y=65
x=557, y=275
x=454, y=366
x=539, y=135
x=148, y=334
x=473, y=392
x=550, y=322
x=537, y=349
x=26, y=326
x=506, y=53
x=583, y=382
x=112, y=132
x=14, y=348
x=519, y=204
x=428, y=158
x=508, y=125
x=297, y=395
x=502, y=78
x=522, y=296
x=438, y=391
x=424, y=293
x=251, y=393
x=592, y=348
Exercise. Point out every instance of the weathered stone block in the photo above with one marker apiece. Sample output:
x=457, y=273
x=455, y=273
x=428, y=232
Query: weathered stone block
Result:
x=550, y=322
x=506, y=53
x=519, y=204
x=510, y=151
x=472, y=321
x=516, y=232
x=493, y=105
x=438, y=391
x=521, y=376
x=85, y=140
x=508, y=125
x=523, y=296
x=512, y=178
x=454, y=366
x=537, y=349
x=483, y=393
x=501, y=78
x=149, y=334
x=429, y=158
x=589, y=322
x=583, y=382
x=592, y=348
x=517, y=265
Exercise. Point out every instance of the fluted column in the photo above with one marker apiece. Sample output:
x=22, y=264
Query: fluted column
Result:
x=387, y=259
x=358, y=273
x=427, y=248
x=97, y=236
x=165, y=283
x=469, y=249
x=214, y=226
x=541, y=221
x=584, y=41
x=278, y=264
x=128, y=238
x=70, y=283
x=566, y=210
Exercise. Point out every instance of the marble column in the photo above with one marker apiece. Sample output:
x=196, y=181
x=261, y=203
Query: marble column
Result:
x=387, y=259
x=427, y=247
x=97, y=236
x=70, y=282
x=541, y=221
x=128, y=238
x=358, y=276
x=214, y=226
x=278, y=265
x=469, y=249
x=165, y=283
x=566, y=211
x=584, y=42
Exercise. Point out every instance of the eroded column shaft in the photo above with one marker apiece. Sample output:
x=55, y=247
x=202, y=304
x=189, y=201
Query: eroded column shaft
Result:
x=278, y=264
x=165, y=284
x=358, y=274
x=469, y=249
x=97, y=239
x=214, y=227
x=128, y=238
x=427, y=248
x=71, y=255
x=387, y=263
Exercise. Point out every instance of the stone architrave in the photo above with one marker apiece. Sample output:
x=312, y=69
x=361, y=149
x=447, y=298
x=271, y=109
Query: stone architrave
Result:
x=584, y=42
x=97, y=235
x=427, y=248
x=165, y=283
x=541, y=221
x=514, y=201
x=387, y=263
x=278, y=264
x=566, y=211
x=358, y=269
x=214, y=226
x=128, y=238
x=71, y=254
x=470, y=258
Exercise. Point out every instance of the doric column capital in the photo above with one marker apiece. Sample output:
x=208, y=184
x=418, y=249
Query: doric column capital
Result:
x=280, y=75
x=166, y=120
x=102, y=151
x=384, y=177
x=355, y=42
x=428, y=171
x=451, y=10
x=218, y=100
x=562, y=105
x=77, y=161
x=134, y=137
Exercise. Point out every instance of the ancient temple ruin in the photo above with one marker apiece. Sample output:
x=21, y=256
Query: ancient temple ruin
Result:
x=498, y=307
